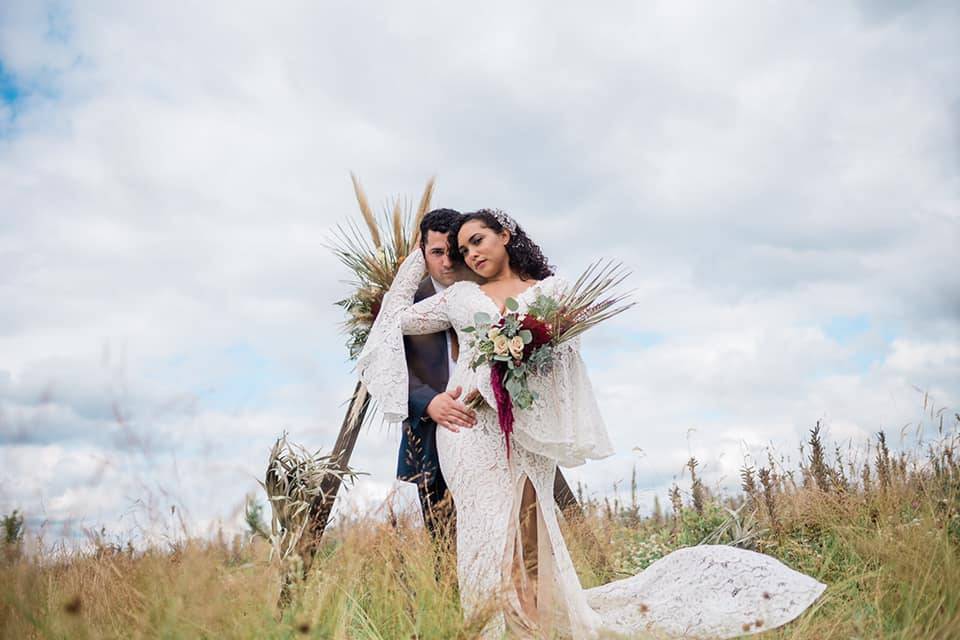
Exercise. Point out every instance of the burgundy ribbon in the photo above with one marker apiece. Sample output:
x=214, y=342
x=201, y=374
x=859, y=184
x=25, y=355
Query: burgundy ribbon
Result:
x=504, y=405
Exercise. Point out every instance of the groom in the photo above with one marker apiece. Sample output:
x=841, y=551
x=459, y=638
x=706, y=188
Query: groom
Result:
x=430, y=362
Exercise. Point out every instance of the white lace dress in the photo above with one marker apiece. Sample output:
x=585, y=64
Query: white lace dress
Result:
x=705, y=591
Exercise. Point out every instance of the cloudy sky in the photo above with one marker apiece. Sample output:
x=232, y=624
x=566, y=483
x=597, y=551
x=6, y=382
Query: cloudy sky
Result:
x=782, y=178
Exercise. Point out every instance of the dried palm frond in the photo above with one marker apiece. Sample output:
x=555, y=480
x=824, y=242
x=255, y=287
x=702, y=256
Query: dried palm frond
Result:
x=294, y=484
x=373, y=258
x=739, y=530
x=589, y=301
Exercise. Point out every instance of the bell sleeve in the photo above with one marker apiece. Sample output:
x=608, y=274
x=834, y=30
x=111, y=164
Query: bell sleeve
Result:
x=382, y=364
x=564, y=422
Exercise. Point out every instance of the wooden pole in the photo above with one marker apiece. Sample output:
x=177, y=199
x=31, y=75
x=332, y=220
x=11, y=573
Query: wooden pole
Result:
x=309, y=542
x=340, y=456
x=563, y=495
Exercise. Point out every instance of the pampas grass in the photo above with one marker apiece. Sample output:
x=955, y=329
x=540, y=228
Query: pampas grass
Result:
x=365, y=211
x=373, y=257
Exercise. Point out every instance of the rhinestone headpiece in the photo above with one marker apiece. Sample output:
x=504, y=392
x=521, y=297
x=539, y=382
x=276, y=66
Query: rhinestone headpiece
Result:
x=505, y=220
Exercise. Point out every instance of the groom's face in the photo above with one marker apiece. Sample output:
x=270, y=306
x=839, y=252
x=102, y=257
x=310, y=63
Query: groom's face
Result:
x=438, y=260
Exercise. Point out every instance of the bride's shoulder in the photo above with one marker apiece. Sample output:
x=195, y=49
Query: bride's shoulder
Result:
x=460, y=286
x=552, y=283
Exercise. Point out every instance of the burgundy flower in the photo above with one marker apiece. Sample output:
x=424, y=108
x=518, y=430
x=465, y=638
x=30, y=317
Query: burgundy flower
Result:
x=540, y=331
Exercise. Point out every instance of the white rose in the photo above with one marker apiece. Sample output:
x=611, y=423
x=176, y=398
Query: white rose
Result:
x=501, y=345
x=493, y=332
x=516, y=347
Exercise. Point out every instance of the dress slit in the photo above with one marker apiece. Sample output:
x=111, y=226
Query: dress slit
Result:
x=536, y=603
x=518, y=569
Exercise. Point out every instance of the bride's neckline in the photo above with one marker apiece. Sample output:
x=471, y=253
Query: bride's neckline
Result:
x=501, y=308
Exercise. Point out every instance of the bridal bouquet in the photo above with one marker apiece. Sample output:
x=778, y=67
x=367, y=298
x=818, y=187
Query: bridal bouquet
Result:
x=517, y=346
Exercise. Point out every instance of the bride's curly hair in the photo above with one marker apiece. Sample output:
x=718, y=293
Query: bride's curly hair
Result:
x=525, y=256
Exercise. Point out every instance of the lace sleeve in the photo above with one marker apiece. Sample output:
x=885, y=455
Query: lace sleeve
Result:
x=427, y=316
x=382, y=364
x=565, y=422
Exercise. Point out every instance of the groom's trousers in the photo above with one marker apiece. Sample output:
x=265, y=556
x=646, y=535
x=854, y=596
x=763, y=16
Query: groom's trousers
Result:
x=436, y=503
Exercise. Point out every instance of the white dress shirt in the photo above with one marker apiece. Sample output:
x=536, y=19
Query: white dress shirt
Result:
x=451, y=364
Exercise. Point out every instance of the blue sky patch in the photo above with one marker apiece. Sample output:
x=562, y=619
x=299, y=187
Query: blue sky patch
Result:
x=234, y=378
x=58, y=24
x=252, y=376
x=9, y=90
x=644, y=338
x=869, y=342
x=844, y=328
x=605, y=350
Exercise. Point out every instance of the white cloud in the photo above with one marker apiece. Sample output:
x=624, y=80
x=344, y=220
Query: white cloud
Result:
x=169, y=179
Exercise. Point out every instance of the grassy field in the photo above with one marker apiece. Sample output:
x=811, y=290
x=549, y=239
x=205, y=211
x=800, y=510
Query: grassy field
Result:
x=882, y=530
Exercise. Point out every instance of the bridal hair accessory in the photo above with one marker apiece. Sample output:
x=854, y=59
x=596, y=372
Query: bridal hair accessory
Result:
x=505, y=220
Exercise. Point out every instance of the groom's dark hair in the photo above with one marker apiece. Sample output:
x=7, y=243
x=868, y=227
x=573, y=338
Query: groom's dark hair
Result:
x=440, y=220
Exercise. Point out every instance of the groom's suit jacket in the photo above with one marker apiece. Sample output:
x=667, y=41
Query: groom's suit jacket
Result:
x=428, y=372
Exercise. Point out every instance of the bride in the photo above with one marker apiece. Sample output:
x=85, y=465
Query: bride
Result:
x=510, y=551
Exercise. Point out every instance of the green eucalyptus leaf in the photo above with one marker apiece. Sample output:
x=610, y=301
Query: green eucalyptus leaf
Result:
x=511, y=304
x=481, y=317
x=527, y=336
x=522, y=399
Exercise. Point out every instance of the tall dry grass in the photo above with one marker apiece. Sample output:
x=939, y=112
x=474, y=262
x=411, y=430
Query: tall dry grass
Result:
x=880, y=528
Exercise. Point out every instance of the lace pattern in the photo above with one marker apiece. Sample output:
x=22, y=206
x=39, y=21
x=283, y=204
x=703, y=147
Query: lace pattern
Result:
x=708, y=591
x=564, y=424
x=381, y=364
x=705, y=591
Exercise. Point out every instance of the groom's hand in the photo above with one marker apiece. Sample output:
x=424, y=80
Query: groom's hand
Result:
x=449, y=412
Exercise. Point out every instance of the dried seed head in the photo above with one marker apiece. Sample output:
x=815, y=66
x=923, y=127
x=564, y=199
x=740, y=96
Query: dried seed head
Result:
x=73, y=605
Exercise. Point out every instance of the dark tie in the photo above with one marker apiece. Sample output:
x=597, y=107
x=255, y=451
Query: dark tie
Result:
x=454, y=344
